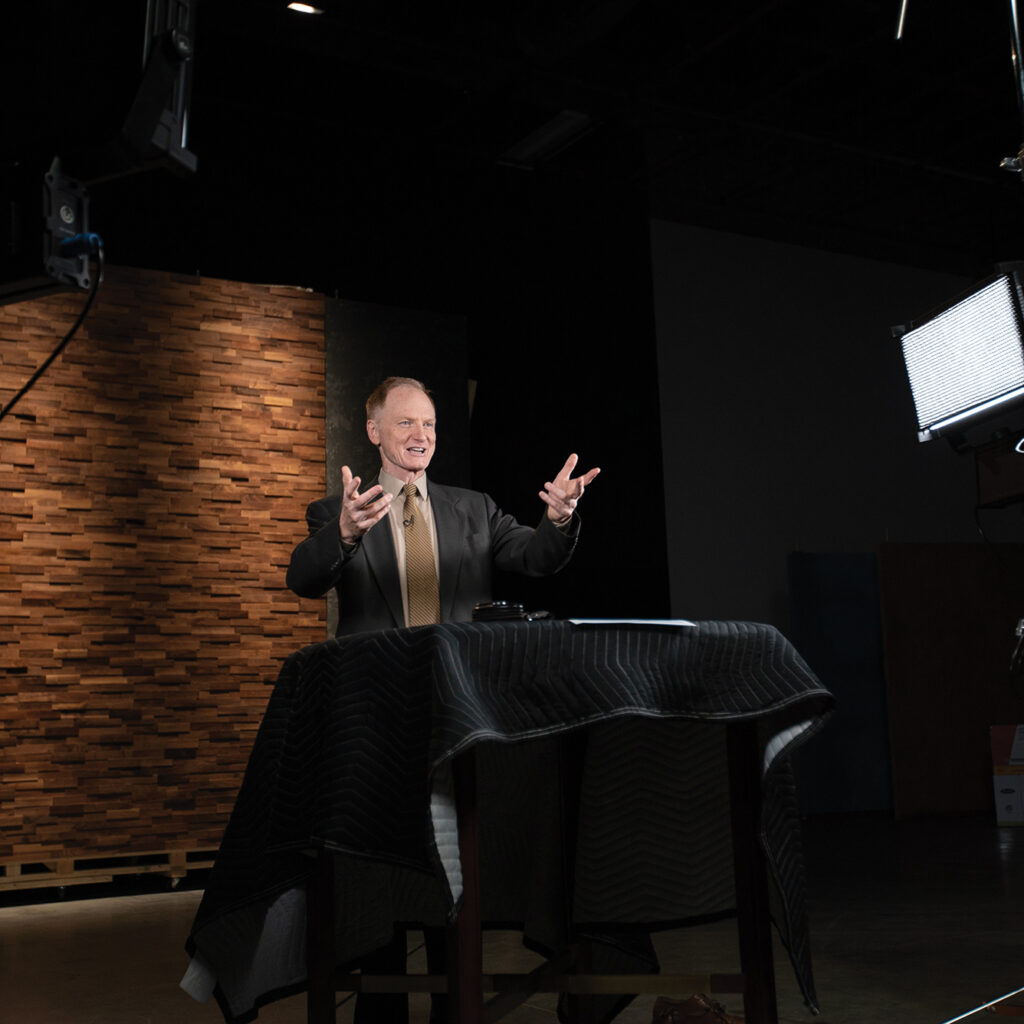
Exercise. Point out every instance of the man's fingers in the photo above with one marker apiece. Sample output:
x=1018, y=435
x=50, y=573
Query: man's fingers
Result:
x=361, y=513
x=557, y=501
x=570, y=464
x=378, y=515
x=565, y=473
x=350, y=487
x=559, y=511
x=572, y=487
x=558, y=498
x=564, y=491
x=367, y=498
x=371, y=507
x=563, y=495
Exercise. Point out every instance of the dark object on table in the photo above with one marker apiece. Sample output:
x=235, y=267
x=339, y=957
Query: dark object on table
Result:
x=496, y=611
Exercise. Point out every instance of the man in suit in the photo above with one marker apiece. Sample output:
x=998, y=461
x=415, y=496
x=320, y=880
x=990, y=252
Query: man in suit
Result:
x=408, y=552
x=468, y=536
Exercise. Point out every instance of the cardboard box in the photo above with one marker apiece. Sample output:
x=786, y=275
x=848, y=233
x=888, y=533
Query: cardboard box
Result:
x=1008, y=773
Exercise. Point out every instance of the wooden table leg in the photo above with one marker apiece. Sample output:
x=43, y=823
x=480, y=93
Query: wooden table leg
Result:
x=465, y=939
x=753, y=913
x=320, y=939
x=572, y=755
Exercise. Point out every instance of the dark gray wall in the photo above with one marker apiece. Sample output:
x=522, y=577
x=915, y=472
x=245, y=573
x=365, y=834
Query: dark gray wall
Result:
x=787, y=422
x=366, y=342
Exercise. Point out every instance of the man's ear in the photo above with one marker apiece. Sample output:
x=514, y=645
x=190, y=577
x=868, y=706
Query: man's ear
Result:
x=372, y=433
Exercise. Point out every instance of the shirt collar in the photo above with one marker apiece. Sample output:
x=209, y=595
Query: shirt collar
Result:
x=394, y=486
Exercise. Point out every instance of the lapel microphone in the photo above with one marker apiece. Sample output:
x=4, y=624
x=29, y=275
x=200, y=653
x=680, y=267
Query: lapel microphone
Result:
x=410, y=512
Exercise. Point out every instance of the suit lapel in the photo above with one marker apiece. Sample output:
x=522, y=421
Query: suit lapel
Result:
x=379, y=551
x=450, y=524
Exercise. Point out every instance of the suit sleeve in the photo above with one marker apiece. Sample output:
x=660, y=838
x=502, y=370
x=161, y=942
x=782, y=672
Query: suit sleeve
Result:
x=316, y=562
x=533, y=552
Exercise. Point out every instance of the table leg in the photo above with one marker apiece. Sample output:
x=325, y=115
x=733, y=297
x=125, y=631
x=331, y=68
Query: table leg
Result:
x=465, y=939
x=320, y=939
x=753, y=913
x=572, y=754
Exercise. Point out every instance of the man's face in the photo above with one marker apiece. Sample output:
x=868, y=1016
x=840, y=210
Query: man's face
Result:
x=404, y=432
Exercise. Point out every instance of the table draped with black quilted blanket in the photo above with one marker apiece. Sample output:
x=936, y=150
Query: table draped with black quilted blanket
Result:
x=354, y=754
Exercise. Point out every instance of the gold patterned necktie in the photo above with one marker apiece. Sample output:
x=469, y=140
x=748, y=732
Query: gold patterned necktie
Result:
x=420, y=570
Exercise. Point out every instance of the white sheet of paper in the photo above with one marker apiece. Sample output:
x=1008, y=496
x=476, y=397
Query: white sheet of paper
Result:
x=680, y=623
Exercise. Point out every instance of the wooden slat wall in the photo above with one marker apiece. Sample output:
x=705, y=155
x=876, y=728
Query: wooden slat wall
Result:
x=152, y=486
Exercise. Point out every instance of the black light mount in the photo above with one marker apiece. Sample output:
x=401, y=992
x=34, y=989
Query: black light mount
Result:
x=44, y=212
x=150, y=130
x=1008, y=163
x=1016, y=163
x=156, y=126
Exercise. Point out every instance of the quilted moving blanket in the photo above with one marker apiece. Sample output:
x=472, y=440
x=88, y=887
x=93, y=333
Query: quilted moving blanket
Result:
x=354, y=754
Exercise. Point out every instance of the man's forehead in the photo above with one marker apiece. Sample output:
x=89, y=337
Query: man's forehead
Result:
x=408, y=400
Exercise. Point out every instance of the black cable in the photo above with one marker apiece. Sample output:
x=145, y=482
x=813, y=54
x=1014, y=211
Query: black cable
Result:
x=67, y=337
x=978, y=526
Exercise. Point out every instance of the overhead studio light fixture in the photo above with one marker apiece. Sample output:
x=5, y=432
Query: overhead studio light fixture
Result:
x=965, y=361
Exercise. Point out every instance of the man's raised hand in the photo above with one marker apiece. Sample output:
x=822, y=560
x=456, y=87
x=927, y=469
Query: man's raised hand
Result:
x=359, y=512
x=562, y=495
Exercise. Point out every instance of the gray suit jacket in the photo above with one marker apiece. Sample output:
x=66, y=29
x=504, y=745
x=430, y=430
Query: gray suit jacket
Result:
x=473, y=537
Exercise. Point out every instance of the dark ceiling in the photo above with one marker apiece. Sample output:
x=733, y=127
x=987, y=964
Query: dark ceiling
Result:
x=363, y=153
x=801, y=120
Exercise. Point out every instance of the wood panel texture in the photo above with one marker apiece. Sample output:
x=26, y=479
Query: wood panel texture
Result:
x=152, y=485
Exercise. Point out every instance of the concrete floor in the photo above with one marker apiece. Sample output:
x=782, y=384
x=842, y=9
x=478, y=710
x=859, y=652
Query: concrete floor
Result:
x=913, y=922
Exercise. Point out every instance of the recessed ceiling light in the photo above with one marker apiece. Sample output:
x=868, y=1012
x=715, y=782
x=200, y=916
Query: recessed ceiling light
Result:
x=304, y=8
